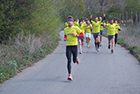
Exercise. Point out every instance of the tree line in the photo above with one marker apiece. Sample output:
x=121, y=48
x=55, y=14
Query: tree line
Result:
x=13, y=13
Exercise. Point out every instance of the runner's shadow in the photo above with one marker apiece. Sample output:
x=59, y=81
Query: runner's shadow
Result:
x=59, y=53
x=50, y=80
x=90, y=52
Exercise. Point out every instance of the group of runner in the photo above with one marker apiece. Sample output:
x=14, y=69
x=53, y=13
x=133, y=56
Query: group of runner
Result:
x=75, y=31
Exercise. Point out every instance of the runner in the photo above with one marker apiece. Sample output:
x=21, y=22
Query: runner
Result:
x=81, y=39
x=76, y=23
x=101, y=29
x=96, y=31
x=71, y=34
x=117, y=29
x=111, y=33
x=88, y=32
x=83, y=23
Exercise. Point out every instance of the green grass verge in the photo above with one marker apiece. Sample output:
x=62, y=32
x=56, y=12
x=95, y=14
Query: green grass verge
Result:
x=135, y=50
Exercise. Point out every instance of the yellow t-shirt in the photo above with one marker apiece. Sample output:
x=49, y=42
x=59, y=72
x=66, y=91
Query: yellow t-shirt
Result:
x=111, y=29
x=83, y=29
x=88, y=29
x=72, y=40
x=84, y=23
x=76, y=23
x=96, y=26
x=66, y=24
x=101, y=27
x=117, y=27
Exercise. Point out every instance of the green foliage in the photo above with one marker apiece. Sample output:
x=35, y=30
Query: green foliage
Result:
x=75, y=8
x=12, y=13
x=123, y=42
x=131, y=49
x=114, y=9
x=35, y=31
x=132, y=5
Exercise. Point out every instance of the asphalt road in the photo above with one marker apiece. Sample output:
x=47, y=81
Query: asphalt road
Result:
x=98, y=73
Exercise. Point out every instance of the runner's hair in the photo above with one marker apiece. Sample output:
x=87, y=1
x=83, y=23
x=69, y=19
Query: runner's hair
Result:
x=70, y=17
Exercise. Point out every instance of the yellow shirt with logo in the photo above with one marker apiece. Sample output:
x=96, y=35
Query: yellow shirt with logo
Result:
x=72, y=40
x=88, y=28
x=84, y=23
x=96, y=26
x=111, y=29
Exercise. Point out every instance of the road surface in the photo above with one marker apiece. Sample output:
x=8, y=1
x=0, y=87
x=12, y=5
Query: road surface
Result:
x=98, y=73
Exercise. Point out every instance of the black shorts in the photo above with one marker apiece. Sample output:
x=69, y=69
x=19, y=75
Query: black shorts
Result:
x=95, y=35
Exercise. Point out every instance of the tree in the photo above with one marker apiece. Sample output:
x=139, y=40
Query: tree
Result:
x=132, y=5
x=75, y=8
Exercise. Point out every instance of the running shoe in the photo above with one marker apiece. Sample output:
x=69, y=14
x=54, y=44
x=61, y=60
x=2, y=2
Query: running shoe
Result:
x=96, y=46
x=97, y=50
x=108, y=46
x=80, y=52
x=89, y=41
x=77, y=61
x=100, y=45
x=87, y=45
x=112, y=51
x=70, y=77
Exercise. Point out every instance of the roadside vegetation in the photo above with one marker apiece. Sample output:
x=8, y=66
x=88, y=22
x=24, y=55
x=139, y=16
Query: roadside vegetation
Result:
x=129, y=38
x=28, y=34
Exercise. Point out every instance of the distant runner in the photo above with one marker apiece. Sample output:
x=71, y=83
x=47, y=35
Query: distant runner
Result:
x=101, y=28
x=117, y=29
x=76, y=23
x=81, y=39
x=71, y=34
x=111, y=33
x=88, y=32
x=66, y=24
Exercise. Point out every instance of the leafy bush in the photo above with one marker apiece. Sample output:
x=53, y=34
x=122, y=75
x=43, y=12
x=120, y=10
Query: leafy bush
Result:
x=13, y=12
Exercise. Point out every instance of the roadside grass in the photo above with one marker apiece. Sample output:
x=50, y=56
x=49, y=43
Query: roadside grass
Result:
x=22, y=52
x=38, y=38
x=135, y=50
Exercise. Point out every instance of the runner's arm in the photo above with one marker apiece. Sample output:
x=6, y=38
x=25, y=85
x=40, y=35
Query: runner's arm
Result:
x=90, y=21
x=104, y=25
x=103, y=18
x=78, y=35
x=121, y=22
x=81, y=34
x=65, y=37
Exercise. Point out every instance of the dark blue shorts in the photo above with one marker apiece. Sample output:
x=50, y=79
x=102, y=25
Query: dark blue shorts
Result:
x=111, y=37
x=101, y=32
x=95, y=35
x=81, y=38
